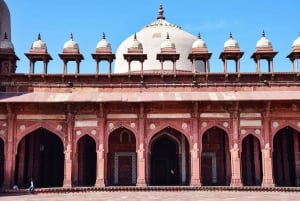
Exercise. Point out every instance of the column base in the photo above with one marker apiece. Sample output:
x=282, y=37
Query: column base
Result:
x=268, y=183
x=67, y=184
x=195, y=182
x=100, y=183
x=236, y=183
x=141, y=183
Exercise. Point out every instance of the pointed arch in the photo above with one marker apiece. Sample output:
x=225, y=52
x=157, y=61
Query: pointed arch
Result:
x=215, y=157
x=40, y=156
x=251, y=157
x=286, y=161
x=86, y=161
x=168, y=158
x=121, y=157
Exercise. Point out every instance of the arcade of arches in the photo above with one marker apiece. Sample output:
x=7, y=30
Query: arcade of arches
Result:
x=123, y=154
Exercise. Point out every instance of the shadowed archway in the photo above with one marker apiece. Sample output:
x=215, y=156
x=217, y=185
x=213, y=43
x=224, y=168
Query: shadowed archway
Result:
x=251, y=161
x=40, y=157
x=86, y=157
x=215, y=158
x=286, y=160
x=169, y=159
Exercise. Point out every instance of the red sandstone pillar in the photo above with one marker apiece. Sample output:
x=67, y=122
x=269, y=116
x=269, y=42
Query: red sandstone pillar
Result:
x=9, y=158
x=268, y=180
x=141, y=162
x=235, y=153
x=297, y=158
x=68, y=151
x=100, y=152
x=195, y=161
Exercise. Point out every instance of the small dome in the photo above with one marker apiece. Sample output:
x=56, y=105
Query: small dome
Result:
x=296, y=42
x=263, y=42
x=135, y=44
x=199, y=43
x=39, y=44
x=71, y=44
x=5, y=43
x=231, y=43
x=103, y=43
x=167, y=43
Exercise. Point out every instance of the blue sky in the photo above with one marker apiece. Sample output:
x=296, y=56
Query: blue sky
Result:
x=119, y=19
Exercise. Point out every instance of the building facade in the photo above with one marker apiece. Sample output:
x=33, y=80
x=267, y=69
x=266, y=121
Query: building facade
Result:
x=161, y=118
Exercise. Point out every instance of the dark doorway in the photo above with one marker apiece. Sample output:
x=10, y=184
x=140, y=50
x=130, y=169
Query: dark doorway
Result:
x=251, y=162
x=40, y=157
x=1, y=162
x=215, y=158
x=165, y=162
x=286, y=160
x=121, y=164
x=86, y=152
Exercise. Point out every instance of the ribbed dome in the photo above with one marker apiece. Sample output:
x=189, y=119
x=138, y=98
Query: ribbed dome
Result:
x=39, y=44
x=199, y=43
x=168, y=43
x=231, y=43
x=296, y=42
x=103, y=43
x=5, y=43
x=71, y=44
x=135, y=44
x=263, y=42
x=152, y=37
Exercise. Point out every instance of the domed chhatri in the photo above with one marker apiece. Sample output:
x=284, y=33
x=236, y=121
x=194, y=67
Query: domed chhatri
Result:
x=103, y=44
x=168, y=45
x=296, y=44
x=152, y=36
x=71, y=46
x=39, y=45
x=264, y=43
x=135, y=45
x=231, y=43
x=199, y=44
x=5, y=43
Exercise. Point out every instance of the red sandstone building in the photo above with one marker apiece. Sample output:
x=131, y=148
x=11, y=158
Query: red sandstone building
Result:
x=160, y=118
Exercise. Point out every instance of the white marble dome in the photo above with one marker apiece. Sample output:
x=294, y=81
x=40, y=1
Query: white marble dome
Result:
x=152, y=36
x=231, y=43
x=135, y=43
x=39, y=44
x=199, y=43
x=167, y=43
x=296, y=42
x=263, y=42
x=71, y=44
x=103, y=43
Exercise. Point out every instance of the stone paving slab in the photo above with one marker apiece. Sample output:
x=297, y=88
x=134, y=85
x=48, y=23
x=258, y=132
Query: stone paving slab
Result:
x=158, y=196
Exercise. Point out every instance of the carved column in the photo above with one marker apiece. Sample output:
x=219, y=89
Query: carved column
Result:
x=267, y=161
x=195, y=159
x=68, y=149
x=235, y=152
x=100, y=152
x=141, y=162
x=10, y=155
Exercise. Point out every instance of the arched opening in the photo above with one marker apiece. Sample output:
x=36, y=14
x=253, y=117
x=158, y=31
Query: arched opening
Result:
x=40, y=157
x=169, y=159
x=121, y=165
x=215, y=158
x=251, y=162
x=86, y=157
x=1, y=162
x=286, y=160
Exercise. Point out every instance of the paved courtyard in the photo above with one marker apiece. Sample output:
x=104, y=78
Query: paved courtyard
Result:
x=158, y=196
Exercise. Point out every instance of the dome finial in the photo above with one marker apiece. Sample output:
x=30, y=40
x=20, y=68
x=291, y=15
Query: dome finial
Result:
x=168, y=37
x=230, y=35
x=103, y=36
x=39, y=36
x=263, y=33
x=71, y=37
x=134, y=36
x=160, y=13
x=199, y=35
x=5, y=36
